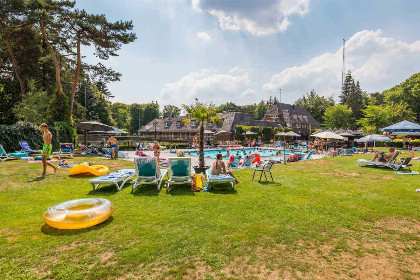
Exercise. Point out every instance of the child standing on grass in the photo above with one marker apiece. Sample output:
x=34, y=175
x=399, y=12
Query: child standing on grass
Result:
x=46, y=149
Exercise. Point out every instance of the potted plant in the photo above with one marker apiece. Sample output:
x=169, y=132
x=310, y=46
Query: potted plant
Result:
x=203, y=114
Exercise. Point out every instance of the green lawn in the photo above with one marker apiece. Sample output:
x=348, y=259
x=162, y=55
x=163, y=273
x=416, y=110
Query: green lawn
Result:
x=322, y=219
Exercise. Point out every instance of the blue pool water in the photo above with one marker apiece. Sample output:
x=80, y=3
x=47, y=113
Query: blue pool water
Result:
x=263, y=152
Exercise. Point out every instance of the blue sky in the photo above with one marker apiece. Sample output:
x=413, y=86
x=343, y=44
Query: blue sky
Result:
x=244, y=50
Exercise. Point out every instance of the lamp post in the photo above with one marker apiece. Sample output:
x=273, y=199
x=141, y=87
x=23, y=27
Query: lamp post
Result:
x=155, y=124
x=284, y=145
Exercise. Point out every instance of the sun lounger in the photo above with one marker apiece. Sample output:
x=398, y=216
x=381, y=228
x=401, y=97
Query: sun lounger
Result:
x=25, y=147
x=118, y=178
x=247, y=161
x=369, y=163
x=179, y=171
x=148, y=172
x=218, y=179
x=66, y=150
x=4, y=156
x=235, y=163
x=308, y=155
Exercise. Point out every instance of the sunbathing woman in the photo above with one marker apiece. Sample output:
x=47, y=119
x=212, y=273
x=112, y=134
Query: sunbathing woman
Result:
x=219, y=167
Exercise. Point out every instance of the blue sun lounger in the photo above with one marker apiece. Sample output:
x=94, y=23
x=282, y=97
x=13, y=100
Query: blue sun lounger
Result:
x=25, y=148
x=218, y=179
x=118, y=178
x=148, y=172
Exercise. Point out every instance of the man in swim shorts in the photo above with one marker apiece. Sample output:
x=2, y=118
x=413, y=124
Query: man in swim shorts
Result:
x=114, y=145
x=46, y=149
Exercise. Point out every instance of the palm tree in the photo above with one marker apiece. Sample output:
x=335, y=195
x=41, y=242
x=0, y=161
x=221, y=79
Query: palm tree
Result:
x=204, y=114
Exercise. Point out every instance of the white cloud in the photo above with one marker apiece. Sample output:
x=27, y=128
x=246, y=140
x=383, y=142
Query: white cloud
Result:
x=259, y=18
x=208, y=86
x=378, y=62
x=203, y=36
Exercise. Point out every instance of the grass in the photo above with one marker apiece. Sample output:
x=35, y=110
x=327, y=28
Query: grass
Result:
x=320, y=219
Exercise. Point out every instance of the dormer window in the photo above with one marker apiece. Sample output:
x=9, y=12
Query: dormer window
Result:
x=178, y=124
x=193, y=123
x=167, y=124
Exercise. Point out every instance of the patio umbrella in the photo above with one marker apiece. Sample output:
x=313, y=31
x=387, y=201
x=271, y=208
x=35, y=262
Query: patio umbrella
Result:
x=346, y=134
x=373, y=138
x=328, y=135
x=220, y=132
x=250, y=133
x=208, y=132
x=93, y=125
x=292, y=134
x=281, y=134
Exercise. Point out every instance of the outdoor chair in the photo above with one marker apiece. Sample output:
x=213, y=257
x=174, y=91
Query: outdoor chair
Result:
x=218, y=179
x=148, y=172
x=265, y=168
x=404, y=164
x=118, y=178
x=25, y=148
x=179, y=172
x=66, y=149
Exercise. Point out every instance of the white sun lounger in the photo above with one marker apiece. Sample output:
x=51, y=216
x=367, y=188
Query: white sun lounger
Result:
x=148, y=172
x=118, y=178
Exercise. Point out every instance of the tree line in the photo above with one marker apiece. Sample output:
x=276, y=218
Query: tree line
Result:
x=358, y=109
x=43, y=74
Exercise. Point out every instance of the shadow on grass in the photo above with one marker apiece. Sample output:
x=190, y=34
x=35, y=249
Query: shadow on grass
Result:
x=146, y=190
x=107, y=190
x=37, y=179
x=222, y=190
x=184, y=189
x=269, y=183
x=82, y=175
x=48, y=230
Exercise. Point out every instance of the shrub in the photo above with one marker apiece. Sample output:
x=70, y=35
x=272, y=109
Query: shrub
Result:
x=266, y=133
x=10, y=135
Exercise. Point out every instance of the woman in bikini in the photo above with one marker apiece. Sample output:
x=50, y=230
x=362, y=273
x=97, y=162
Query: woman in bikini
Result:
x=156, y=150
x=219, y=167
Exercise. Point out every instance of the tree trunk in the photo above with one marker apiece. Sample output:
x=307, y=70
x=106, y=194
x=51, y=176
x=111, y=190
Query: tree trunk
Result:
x=53, y=56
x=201, y=146
x=76, y=76
x=15, y=67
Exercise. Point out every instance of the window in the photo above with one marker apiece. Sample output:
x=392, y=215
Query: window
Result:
x=193, y=123
x=167, y=124
x=178, y=124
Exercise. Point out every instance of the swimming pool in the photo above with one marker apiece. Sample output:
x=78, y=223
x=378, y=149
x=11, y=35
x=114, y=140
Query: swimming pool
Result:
x=263, y=152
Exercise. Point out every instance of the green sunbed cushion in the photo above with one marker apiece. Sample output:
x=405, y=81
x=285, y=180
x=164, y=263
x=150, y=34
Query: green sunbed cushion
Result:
x=147, y=169
x=180, y=168
x=18, y=154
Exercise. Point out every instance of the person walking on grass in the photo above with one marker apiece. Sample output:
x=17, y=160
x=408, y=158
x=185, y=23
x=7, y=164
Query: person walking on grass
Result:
x=114, y=145
x=46, y=149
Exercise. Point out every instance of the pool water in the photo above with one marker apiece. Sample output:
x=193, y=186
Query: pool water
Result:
x=263, y=152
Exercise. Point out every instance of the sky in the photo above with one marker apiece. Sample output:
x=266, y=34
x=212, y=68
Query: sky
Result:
x=243, y=51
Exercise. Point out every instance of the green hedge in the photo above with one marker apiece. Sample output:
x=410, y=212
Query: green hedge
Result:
x=10, y=135
x=397, y=143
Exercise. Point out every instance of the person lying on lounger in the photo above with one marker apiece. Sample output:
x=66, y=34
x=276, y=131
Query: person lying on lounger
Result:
x=382, y=157
x=219, y=167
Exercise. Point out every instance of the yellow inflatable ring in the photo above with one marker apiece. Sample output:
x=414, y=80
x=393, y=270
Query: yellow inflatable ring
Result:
x=79, y=213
